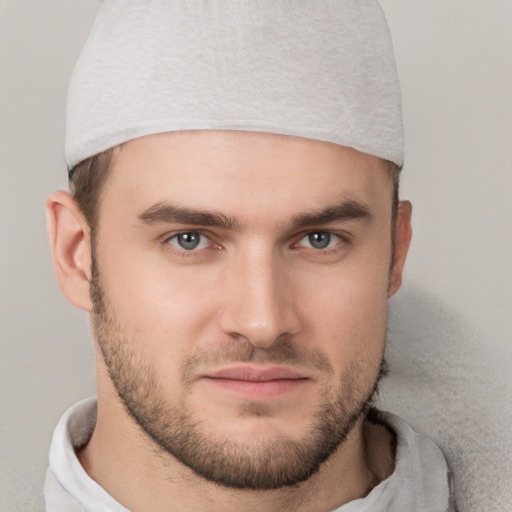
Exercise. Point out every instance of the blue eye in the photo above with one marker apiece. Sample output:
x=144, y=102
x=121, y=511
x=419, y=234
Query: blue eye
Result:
x=189, y=241
x=320, y=240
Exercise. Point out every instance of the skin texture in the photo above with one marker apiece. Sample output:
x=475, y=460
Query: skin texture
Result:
x=182, y=335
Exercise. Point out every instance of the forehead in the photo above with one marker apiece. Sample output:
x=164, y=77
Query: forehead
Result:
x=243, y=173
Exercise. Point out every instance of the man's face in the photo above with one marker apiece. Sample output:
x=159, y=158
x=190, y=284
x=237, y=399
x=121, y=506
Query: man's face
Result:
x=240, y=286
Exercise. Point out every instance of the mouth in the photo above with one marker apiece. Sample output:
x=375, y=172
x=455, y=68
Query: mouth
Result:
x=256, y=382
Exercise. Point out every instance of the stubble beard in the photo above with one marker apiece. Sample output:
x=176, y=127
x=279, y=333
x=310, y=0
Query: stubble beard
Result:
x=263, y=464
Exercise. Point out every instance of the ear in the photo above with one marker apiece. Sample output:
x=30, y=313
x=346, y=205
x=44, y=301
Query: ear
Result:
x=403, y=233
x=71, y=248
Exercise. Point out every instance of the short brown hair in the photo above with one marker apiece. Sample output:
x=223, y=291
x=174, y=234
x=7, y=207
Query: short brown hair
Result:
x=87, y=183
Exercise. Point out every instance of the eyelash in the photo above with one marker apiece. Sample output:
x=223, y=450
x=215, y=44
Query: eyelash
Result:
x=344, y=240
x=188, y=253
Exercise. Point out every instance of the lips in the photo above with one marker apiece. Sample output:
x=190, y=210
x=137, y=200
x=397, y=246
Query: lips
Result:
x=257, y=374
x=256, y=382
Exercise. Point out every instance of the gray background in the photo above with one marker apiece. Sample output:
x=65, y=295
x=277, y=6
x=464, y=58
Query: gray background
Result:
x=450, y=330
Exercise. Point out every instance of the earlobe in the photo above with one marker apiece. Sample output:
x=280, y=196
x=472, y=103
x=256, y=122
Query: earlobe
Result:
x=71, y=248
x=403, y=234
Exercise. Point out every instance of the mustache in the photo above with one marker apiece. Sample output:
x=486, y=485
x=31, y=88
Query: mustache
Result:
x=282, y=351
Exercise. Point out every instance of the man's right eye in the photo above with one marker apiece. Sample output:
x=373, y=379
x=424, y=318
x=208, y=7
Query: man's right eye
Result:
x=189, y=241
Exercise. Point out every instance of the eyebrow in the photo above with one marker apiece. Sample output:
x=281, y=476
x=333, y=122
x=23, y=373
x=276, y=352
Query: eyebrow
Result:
x=343, y=212
x=167, y=213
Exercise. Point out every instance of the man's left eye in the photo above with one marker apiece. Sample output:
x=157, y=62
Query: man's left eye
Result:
x=189, y=241
x=320, y=240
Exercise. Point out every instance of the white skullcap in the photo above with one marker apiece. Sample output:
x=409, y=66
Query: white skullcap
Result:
x=320, y=69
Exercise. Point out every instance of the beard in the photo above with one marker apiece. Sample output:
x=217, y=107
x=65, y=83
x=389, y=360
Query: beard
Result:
x=269, y=462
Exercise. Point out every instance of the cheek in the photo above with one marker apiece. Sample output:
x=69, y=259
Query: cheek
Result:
x=347, y=312
x=164, y=310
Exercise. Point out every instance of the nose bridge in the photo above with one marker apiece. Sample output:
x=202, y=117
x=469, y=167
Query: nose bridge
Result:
x=260, y=306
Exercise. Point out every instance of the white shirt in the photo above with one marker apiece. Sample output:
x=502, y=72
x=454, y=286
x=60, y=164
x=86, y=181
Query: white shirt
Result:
x=421, y=481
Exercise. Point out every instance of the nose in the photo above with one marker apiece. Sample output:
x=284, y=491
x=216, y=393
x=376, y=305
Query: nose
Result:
x=260, y=305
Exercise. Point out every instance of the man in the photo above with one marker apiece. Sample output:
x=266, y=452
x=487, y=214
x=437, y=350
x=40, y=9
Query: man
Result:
x=234, y=232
